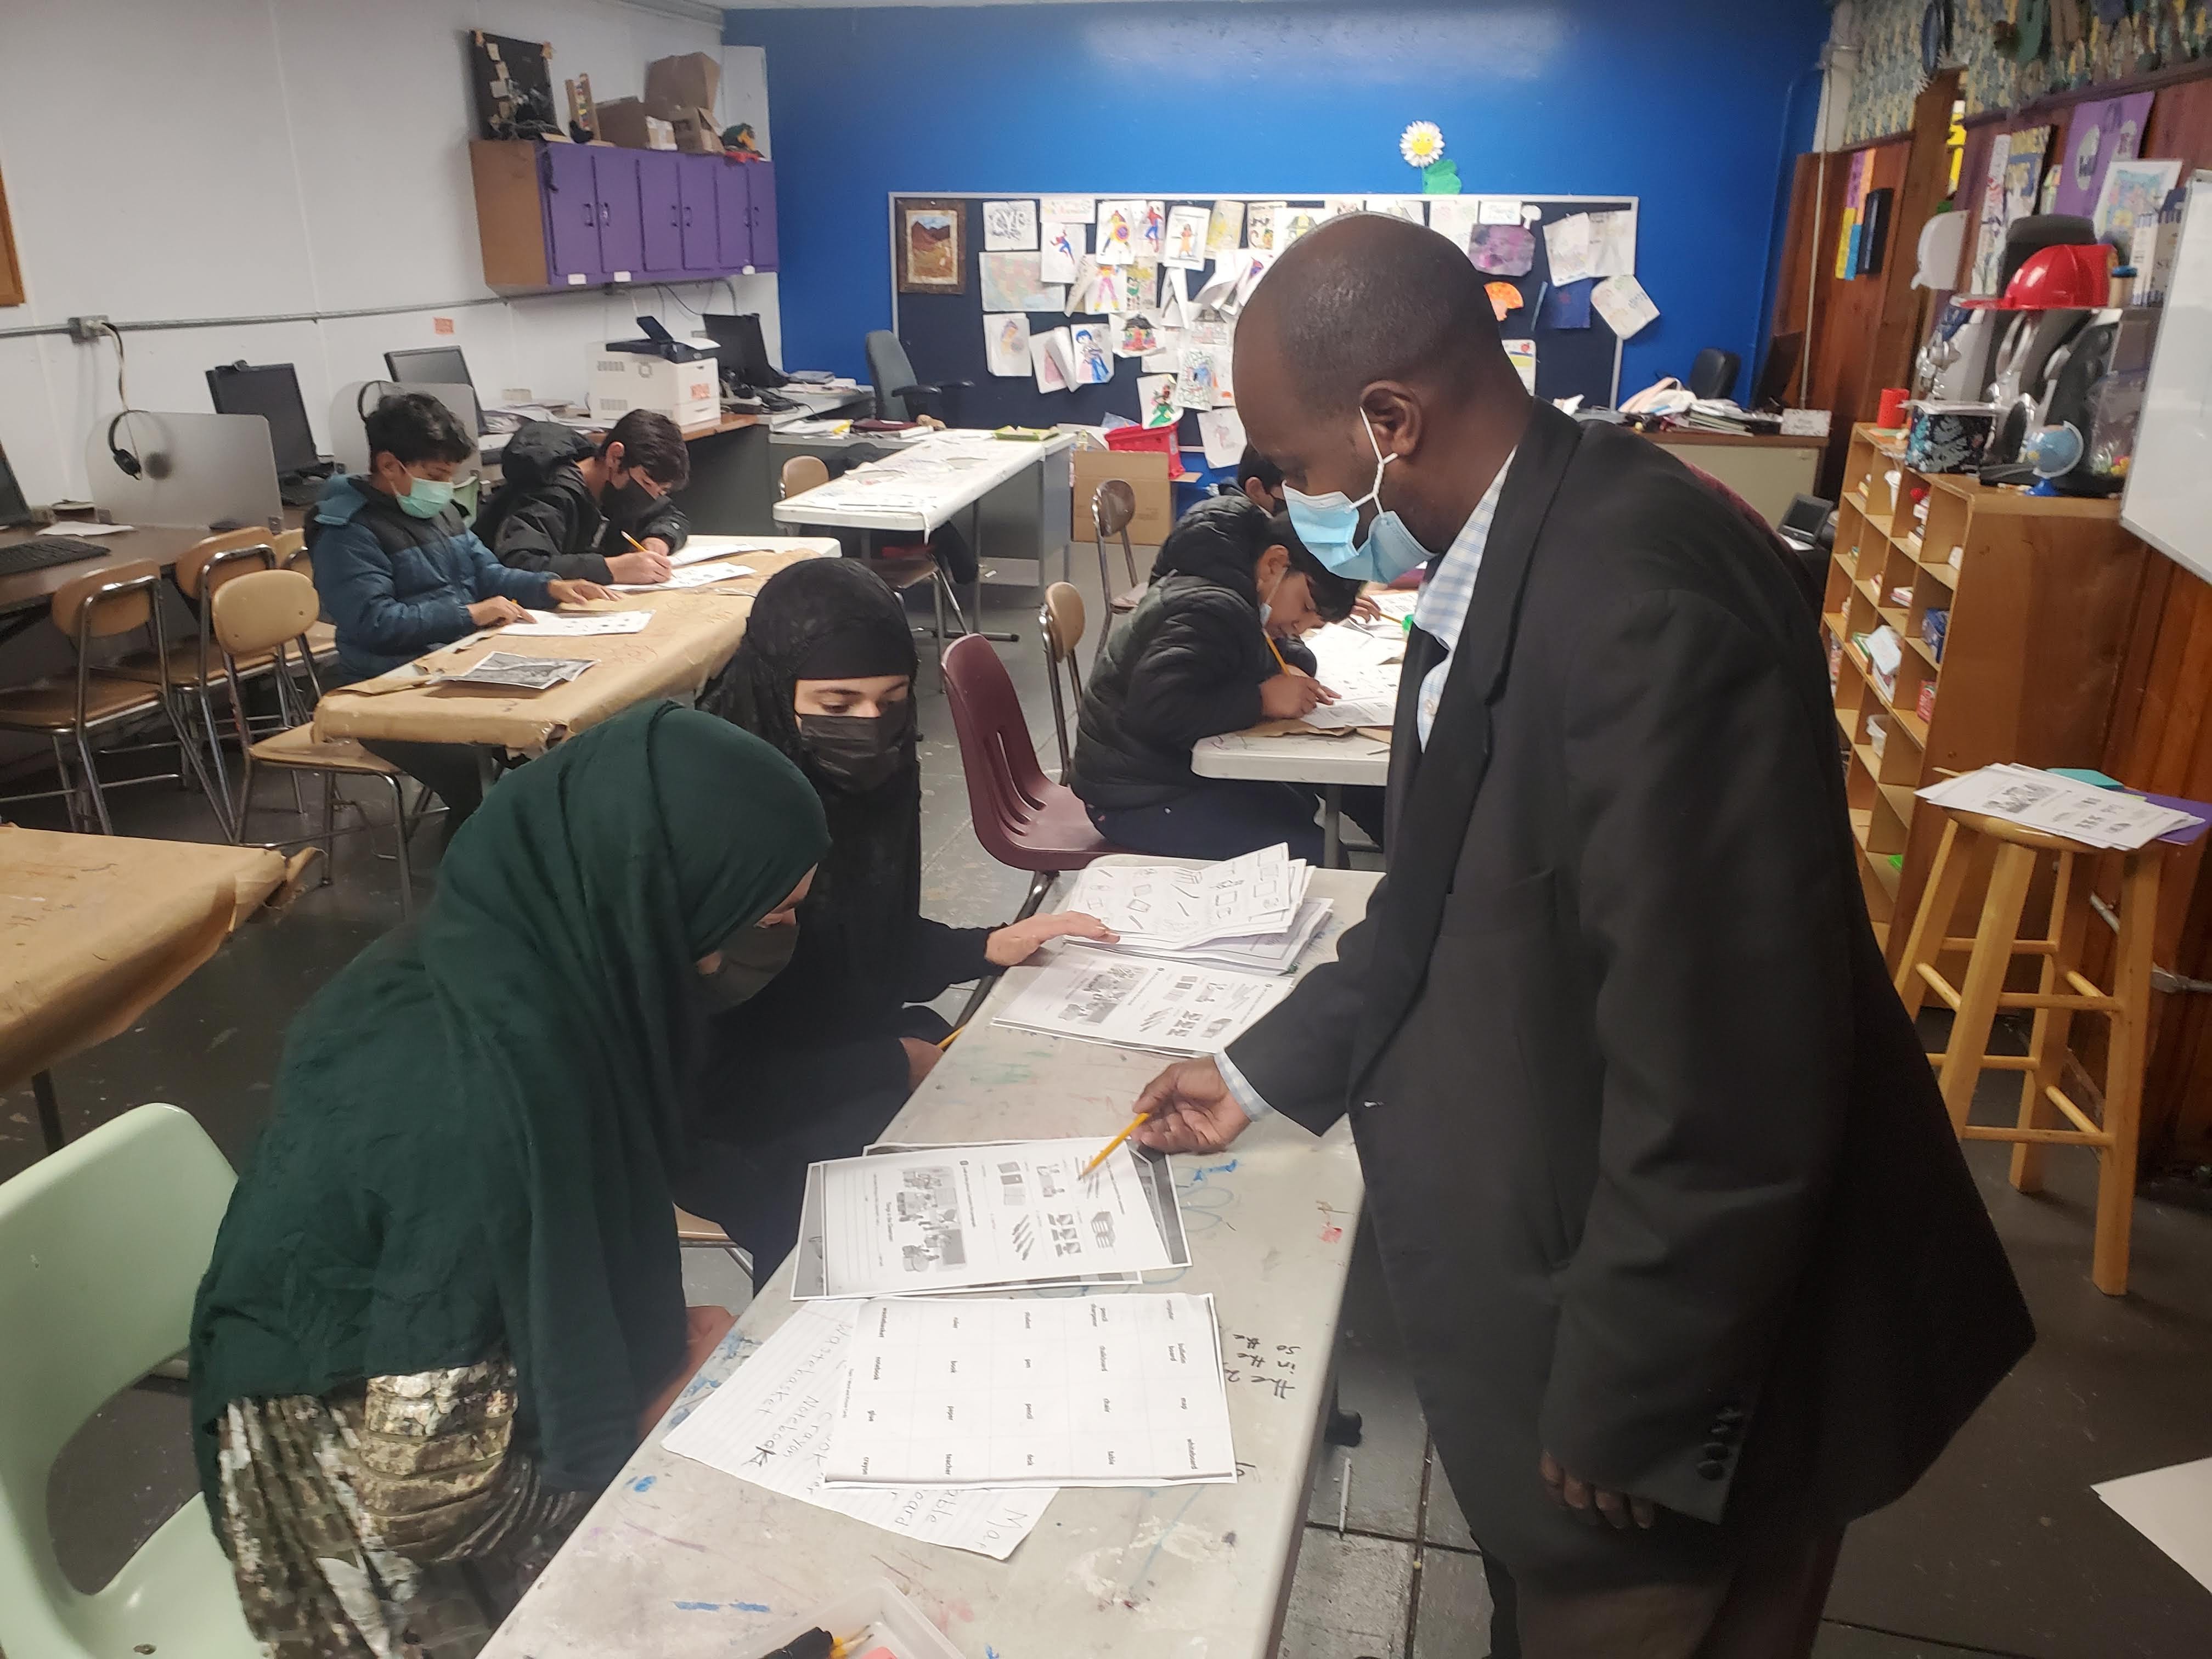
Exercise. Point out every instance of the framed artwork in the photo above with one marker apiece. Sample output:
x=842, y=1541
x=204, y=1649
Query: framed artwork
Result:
x=933, y=245
x=11, y=274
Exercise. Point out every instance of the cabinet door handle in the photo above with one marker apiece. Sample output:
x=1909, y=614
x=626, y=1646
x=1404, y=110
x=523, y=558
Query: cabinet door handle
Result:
x=603, y=213
x=588, y=216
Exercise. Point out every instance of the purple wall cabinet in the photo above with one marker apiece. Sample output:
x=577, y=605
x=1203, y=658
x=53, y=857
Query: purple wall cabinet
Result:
x=760, y=186
x=733, y=235
x=622, y=231
x=572, y=217
x=696, y=176
x=660, y=201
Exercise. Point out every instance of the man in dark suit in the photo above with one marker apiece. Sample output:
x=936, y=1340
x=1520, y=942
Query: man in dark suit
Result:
x=1689, y=1266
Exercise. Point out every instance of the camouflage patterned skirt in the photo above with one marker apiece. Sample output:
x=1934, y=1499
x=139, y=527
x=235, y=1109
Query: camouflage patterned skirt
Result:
x=395, y=1520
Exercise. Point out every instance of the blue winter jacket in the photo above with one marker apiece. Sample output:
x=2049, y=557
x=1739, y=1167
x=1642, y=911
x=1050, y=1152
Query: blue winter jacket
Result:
x=396, y=585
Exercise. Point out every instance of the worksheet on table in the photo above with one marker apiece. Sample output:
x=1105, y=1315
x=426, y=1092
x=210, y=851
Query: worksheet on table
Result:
x=688, y=575
x=770, y=1421
x=1105, y=1391
x=699, y=548
x=961, y=1216
x=545, y=623
x=1170, y=1007
x=1180, y=904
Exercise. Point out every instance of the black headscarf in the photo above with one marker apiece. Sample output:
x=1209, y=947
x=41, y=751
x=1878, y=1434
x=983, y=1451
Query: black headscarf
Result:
x=833, y=619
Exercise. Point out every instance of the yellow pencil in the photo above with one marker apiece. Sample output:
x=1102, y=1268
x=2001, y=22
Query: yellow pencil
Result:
x=1279, y=662
x=642, y=548
x=1107, y=1151
x=947, y=1041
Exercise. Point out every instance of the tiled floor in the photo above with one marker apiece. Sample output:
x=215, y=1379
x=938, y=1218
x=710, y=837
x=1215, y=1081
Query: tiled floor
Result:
x=2001, y=1551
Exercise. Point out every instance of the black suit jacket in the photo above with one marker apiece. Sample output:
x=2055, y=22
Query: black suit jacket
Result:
x=1656, y=1161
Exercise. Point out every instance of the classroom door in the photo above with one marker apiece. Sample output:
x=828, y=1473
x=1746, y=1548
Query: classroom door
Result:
x=660, y=202
x=733, y=231
x=622, y=230
x=760, y=186
x=572, y=216
x=695, y=177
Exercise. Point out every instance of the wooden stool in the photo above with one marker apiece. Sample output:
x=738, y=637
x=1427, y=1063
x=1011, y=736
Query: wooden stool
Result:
x=2010, y=854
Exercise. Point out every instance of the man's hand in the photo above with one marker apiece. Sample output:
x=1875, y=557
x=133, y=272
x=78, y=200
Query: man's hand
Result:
x=1018, y=941
x=1191, y=1108
x=576, y=592
x=489, y=613
x=1293, y=696
x=1592, y=1505
x=921, y=1058
x=637, y=569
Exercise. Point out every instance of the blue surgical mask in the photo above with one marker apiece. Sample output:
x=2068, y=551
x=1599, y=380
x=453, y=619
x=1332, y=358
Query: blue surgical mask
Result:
x=1329, y=527
x=426, y=498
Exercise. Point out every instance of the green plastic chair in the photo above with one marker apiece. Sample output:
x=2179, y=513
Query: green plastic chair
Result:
x=102, y=1245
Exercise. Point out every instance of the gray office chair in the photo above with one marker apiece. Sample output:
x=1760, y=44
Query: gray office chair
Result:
x=899, y=395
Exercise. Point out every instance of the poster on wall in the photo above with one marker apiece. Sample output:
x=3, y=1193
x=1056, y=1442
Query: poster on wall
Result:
x=1009, y=227
x=2024, y=172
x=1224, y=228
x=2098, y=136
x=1007, y=343
x=1116, y=242
x=933, y=245
x=1060, y=249
x=1990, y=221
x=2134, y=192
x=1187, y=231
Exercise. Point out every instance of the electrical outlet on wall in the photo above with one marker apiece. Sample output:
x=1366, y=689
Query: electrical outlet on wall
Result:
x=85, y=330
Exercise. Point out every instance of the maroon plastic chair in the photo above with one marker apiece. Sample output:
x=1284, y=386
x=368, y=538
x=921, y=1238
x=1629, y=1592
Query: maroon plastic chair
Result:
x=1024, y=819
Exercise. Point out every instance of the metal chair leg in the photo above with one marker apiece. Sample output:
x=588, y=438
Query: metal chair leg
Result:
x=1039, y=885
x=329, y=818
x=399, y=827
x=70, y=803
x=50, y=1110
x=215, y=754
x=937, y=606
x=92, y=782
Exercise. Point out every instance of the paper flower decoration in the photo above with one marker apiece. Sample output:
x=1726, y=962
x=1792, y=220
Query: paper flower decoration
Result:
x=1421, y=144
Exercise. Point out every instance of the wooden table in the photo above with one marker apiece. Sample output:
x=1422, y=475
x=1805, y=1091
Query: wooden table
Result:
x=693, y=634
x=685, y=1562
x=96, y=929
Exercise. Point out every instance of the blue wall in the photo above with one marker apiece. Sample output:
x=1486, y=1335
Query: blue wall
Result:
x=1683, y=105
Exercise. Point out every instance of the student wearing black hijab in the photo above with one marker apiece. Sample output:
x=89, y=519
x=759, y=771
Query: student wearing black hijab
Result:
x=814, y=1063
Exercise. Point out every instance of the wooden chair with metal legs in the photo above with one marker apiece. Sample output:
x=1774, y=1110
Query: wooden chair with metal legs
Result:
x=1974, y=845
x=1059, y=624
x=292, y=553
x=696, y=1232
x=1112, y=507
x=70, y=709
x=270, y=611
x=804, y=472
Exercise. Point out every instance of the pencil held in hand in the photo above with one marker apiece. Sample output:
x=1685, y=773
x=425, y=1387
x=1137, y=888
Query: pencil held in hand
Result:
x=1107, y=1151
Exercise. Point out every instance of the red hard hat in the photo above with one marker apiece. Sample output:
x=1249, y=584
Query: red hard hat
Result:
x=2071, y=277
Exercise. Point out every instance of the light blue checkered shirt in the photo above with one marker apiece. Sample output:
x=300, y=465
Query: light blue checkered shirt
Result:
x=1441, y=613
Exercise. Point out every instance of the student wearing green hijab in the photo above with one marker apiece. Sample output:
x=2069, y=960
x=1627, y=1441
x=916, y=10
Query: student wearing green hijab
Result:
x=445, y=1304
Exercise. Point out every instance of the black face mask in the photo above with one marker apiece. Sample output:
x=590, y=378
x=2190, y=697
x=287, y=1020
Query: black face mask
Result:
x=859, y=753
x=750, y=961
x=629, y=504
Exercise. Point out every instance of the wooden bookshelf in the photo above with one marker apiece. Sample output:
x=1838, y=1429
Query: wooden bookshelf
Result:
x=2039, y=591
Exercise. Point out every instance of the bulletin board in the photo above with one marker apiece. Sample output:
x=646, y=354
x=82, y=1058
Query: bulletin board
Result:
x=943, y=333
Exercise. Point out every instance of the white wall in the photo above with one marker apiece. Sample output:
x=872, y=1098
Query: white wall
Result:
x=255, y=157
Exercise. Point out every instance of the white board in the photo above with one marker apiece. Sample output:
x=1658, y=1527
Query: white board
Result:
x=2169, y=499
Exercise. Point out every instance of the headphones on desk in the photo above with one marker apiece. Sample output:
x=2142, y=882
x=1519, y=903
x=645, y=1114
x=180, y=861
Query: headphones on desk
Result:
x=126, y=462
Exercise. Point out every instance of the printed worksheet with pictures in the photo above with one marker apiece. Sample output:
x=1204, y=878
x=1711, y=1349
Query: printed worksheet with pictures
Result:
x=770, y=1422
x=1103, y=1391
x=959, y=1217
x=1173, y=1007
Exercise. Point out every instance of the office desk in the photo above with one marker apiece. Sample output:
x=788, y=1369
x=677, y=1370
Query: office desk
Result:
x=96, y=929
x=734, y=477
x=34, y=589
x=685, y=1562
x=692, y=634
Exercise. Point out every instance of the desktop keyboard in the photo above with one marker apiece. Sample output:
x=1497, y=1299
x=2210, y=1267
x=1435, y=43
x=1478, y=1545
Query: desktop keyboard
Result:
x=41, y=551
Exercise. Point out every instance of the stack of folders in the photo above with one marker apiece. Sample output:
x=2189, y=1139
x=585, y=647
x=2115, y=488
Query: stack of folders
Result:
x=2059, y=805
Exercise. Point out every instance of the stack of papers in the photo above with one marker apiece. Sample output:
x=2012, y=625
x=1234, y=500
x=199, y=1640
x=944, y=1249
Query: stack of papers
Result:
x=2060, y=805
x=1169, y=1007
x=517, y=672
x=930, y=1220
x=1258, y=953
x=1174, y=906
x=546, y=624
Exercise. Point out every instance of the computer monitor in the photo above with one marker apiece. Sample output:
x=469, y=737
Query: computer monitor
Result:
x=273, y=392
x=14, y=509
x=433, y=365
x=743, y=354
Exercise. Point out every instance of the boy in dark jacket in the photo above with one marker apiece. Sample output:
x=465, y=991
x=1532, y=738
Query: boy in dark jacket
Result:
x=569, y=507
x=399, y=572
x=1195, y=659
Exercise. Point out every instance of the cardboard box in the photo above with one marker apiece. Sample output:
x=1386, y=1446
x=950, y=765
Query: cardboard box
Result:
x=629, y=123
x=1147, y=475
x=690, y=81
x=690, y=394
x=696, y=131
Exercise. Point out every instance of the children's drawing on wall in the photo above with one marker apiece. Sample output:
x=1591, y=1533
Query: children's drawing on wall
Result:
x=1140, y=288
x=1187, y=233
x=1200, y=386
x=1400, y=207
x=1010, y=283
x=1009, y=227
x=1152, y=229
x=1294, y=223
x=1051, y=356
x=1224, y=228
x=1066, y=209
x=1092, y=345
x=1059, y=251
x=1156, y=398
x=1116, y=244
x=1007, y=343
x=1134, y=336
x=1260, y=226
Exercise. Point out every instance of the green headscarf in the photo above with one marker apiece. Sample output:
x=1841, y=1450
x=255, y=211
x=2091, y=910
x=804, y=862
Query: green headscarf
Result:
x=475, y=1117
